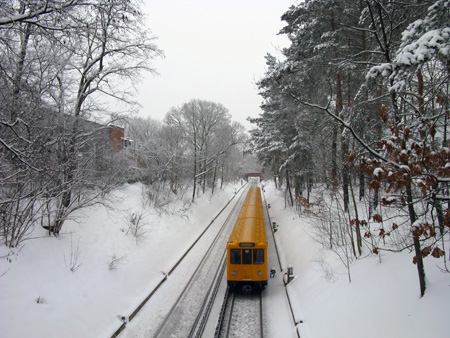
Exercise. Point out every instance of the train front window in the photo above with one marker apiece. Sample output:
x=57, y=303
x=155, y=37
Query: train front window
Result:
x=258, y=256
x=247, y=256
x=235, y=256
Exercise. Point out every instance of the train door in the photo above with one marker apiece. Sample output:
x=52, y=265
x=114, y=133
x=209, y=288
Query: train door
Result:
x=247, y=264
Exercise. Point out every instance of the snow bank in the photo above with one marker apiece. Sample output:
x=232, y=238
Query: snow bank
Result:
x=40, y=295
x=383, y=299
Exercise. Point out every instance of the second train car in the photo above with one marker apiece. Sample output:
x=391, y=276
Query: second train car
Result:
x=247, y=246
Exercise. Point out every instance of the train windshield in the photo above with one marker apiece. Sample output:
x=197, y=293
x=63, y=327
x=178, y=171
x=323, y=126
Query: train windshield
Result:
x=247, y=255
x=235, y=256
x=258, y=256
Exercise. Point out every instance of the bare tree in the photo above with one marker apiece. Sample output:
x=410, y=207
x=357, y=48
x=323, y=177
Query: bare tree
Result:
x=111, y=46
x=62, y=63
x=32, y=12
x=206, y=127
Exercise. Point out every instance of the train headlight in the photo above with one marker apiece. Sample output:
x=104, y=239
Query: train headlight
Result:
x=234, y=273
x=259, y=273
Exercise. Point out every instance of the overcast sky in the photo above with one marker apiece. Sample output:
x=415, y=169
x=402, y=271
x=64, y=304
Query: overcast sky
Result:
x=214, y=50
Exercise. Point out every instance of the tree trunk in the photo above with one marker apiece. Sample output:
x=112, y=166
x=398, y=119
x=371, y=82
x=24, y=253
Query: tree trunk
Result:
x=420, y=92
x=361, y=185
x=288, y=189
x=366, y=95
x=213, y=183
x=417, y=248
x=309, y=185
x=222, y=175
x=195, y=169
x=24, y=38
x=357, y=227
x=440, y=215
x=339, y=108
x=298, y=185
x=334, y=157
x=204, y=175
x=375, y=199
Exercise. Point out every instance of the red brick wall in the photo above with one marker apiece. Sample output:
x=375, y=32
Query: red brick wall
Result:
x=116, y=135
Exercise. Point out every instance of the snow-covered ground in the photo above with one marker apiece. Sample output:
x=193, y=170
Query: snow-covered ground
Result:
x=113, y=272
x=383, y=299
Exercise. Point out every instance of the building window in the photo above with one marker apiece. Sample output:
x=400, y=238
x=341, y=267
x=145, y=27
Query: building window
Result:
x=126, y=143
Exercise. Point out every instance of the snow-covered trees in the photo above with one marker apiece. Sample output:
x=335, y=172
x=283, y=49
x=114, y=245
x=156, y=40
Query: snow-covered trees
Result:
x=61, y=63
x=367, y=85
x=32, y=11
x=418, y=80
x=196, y=147
x=68, y=69
x=209, y=136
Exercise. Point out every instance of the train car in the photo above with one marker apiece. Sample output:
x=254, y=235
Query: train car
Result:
x=247, y=246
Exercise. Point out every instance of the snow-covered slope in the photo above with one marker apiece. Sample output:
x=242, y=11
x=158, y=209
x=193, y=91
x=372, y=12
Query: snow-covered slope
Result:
x=382, y=300
x=41, y=297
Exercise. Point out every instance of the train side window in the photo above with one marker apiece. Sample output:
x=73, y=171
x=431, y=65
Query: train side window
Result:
x=247, y=256
x=258, y=256
x=235, y=256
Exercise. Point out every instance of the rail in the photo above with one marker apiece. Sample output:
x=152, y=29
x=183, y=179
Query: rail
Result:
x=199, y=325
x=222, y=313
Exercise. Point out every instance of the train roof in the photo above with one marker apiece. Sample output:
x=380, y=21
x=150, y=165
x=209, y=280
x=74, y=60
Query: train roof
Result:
x=250, y=225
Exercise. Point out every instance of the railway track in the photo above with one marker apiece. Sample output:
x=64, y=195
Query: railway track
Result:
x=243, y=316
x=206, y=307
x=189, y=314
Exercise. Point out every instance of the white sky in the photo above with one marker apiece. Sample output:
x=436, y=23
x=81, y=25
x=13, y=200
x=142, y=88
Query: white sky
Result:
x=214, y=50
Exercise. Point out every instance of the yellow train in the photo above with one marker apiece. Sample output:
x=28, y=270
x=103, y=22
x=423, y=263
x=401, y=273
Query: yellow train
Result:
x=247, y=246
